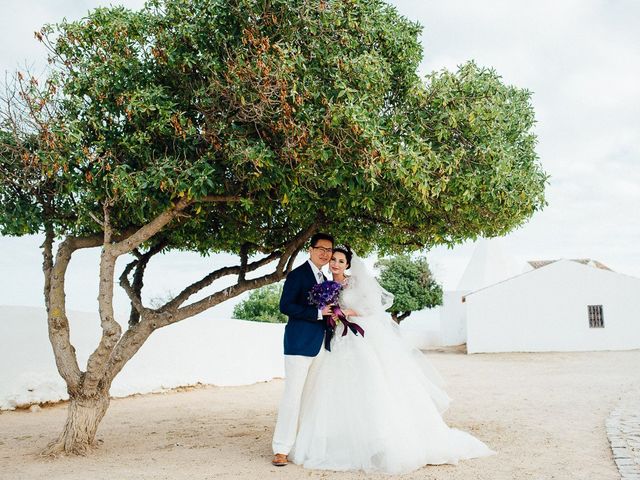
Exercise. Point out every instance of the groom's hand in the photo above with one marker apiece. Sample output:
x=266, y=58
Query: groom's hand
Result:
x=327, y=310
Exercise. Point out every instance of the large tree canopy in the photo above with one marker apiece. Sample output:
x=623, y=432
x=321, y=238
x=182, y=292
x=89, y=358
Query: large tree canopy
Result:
x=303, y=111
x=245, y=126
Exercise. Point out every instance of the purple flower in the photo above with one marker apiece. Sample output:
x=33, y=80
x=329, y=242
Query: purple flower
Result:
x=325, y=293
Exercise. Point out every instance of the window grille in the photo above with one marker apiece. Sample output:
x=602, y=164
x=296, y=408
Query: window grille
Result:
x=596, y=320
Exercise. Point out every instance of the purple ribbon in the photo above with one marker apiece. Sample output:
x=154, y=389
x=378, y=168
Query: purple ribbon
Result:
x=330, y=326
x=353, y=326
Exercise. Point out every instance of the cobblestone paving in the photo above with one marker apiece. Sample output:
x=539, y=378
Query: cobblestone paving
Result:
x=623, y=430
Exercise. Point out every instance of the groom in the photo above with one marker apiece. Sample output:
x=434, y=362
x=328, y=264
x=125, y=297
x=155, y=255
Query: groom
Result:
x=303, y=337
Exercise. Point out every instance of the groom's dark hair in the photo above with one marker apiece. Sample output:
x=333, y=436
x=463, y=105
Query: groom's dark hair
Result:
x=321, y=236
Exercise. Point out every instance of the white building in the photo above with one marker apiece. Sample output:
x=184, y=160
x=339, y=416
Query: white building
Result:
x=489, y=264
x=503, y=305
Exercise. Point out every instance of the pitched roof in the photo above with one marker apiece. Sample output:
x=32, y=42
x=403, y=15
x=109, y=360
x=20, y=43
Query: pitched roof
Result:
x=584, y=261
x=490, y=263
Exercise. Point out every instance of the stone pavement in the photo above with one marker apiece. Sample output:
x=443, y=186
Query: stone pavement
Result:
x=623, y=430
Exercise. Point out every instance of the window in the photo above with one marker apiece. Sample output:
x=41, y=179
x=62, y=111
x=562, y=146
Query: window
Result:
x=596, y=320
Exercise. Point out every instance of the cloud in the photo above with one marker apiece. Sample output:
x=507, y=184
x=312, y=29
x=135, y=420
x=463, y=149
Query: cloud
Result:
x=580, y=58
x=19, y=48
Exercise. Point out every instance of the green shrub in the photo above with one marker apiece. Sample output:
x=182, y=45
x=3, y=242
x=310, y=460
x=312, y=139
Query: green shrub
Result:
x=262, y=305
x=412, y=284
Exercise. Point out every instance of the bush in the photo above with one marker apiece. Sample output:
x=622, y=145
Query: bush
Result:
x=262, y=305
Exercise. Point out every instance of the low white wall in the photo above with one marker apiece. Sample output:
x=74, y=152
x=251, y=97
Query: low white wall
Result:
x=546, y=310
x=201, y=349
x=422, y=329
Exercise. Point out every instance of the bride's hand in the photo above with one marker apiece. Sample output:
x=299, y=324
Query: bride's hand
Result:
x=350, y=313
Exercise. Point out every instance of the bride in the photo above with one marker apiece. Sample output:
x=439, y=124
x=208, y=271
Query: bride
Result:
x=373, y=403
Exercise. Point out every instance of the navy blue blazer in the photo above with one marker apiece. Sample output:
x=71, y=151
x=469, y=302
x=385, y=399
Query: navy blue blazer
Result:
x=303, y=333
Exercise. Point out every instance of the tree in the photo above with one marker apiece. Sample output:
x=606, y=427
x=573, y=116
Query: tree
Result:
x=262, y=305
x=412, y=284
x=245, y=126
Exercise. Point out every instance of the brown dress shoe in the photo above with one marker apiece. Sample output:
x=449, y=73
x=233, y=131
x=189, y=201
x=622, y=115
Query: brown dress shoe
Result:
x=280, y=460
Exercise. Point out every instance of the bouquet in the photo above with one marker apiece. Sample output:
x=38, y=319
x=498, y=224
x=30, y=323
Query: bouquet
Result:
x=326, y=294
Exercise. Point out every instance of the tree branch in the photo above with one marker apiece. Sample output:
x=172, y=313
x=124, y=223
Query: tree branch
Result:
x=141, y=266
x=159, y=222
x=244, y=258
x=218, y=199
x=106, y=223
x=111, y=329
x=291, y=249
x=47, y=262
x=135, y=299
x=96, y=219
x=134, y=292
x=57, y=320
x=150, y=229
x=292, y=259
x=194, y=288
x=295, y=246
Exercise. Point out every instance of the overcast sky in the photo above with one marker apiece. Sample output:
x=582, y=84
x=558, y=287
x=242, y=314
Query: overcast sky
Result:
x=581, y=60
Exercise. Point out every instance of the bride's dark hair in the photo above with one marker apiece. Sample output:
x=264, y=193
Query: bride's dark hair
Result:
x=346, y=249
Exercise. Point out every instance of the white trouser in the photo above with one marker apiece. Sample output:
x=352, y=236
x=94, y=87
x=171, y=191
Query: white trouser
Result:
x=296, y=368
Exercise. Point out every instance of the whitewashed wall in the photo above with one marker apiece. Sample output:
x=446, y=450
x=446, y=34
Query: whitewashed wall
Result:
x=422, y=329
x=453, y=325
x=546, y=310
x=202, y=349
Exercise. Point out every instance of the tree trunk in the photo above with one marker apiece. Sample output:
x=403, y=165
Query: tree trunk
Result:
x=83, y=417
x=398, y=317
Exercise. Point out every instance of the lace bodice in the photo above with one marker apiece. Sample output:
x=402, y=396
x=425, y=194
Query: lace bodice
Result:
x=347, y=297
x=364, y=300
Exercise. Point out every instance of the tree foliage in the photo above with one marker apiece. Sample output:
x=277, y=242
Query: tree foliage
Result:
x=245, y=126
x=302, y=111
x=412, y=284
x=262, y=305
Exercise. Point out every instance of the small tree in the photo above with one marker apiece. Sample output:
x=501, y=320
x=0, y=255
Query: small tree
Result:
x=263, y=305
x=412, y=284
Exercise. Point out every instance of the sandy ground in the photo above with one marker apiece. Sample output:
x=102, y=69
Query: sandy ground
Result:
x=544, y=413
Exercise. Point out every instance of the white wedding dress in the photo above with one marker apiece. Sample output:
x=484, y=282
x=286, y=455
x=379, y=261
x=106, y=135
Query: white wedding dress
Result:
x=373, y=403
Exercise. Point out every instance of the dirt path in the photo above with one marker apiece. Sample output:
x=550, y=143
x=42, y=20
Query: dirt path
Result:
x=544, y=414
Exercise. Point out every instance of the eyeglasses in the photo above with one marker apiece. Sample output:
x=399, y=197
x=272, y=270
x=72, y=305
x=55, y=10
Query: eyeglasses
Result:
x=323, y=249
